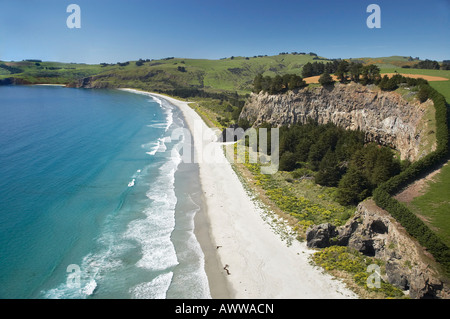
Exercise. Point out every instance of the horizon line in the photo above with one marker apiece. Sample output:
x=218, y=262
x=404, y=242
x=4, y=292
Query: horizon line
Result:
x=224, y=58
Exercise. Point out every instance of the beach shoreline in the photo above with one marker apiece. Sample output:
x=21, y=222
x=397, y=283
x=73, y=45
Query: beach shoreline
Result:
x=61, y=85
x=218, y=285
x=244, y=257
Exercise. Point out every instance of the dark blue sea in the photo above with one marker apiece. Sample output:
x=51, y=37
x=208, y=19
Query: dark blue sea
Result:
x=90, y=202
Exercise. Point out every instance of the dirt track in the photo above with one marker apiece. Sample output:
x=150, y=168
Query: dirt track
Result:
x=416, y=76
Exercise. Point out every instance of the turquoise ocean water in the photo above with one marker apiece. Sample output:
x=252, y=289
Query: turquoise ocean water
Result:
x=92, y=201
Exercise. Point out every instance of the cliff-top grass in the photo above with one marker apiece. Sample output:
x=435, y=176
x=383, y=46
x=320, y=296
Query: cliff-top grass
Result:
x=433, y=205
x=442, y=87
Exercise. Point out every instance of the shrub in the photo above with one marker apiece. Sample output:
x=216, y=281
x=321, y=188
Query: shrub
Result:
x=302, y=172
x=423, y=93
x=353, y=188
x=326, y=79
x=288, y=161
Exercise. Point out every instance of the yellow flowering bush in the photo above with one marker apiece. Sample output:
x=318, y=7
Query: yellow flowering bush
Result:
x=355, y=263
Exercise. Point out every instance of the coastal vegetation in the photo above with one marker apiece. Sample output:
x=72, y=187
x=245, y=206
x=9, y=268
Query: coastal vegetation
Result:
x=303, y=200
x=340, y=259
x=337, y=158
x=336, y=164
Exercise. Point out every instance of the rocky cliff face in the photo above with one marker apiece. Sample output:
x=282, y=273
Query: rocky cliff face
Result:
x=375, y=233
x=385, y=117
x=93, y=82
x=13, y=81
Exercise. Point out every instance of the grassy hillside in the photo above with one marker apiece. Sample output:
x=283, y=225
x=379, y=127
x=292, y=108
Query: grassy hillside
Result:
x=389, y=62
x=233, y=74
x=47, y=72
x=230, y=74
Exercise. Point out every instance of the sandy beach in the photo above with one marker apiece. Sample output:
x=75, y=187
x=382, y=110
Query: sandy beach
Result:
x=244, y=257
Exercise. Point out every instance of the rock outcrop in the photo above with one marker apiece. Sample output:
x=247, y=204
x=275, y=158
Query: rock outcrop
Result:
x=13, y=81
x=385, y=117
x=320, y=236
x=373, y=232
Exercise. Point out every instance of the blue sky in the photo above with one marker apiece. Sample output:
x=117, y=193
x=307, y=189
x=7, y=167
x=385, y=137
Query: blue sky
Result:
x=113, y=30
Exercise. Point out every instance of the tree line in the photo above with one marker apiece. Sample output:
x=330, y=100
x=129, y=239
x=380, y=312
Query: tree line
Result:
x=278, y=84
x=430, y=65
x=394, y=82
x=298, y=53
x=11, y=69
x=427, y=64
x=345, y=72
x=318, y=68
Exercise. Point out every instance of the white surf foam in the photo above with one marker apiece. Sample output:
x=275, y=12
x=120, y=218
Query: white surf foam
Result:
x=156, y=99
x=168, y=110
x=153, y=147
x=169, y=118
x=157, y=125
x=155, y=289
x=93, y=268
x=153, y=233
x=90, y=287
x=167, y=107
x=158, y=146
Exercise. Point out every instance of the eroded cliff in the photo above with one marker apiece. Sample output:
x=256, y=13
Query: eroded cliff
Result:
x=385, y=117
x=374, y=232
